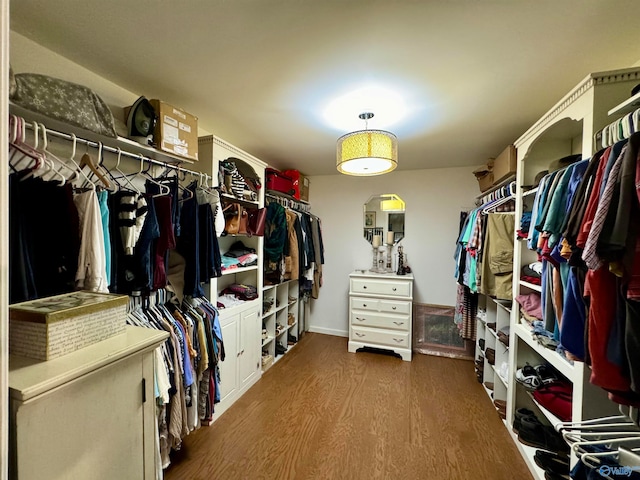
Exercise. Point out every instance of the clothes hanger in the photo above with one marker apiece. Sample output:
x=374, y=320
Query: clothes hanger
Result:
x=164, y=189
x=62, y=164
x=78, y=167
x=184, y=189
x=18, y=145
x=87, y=161
x=122, y=174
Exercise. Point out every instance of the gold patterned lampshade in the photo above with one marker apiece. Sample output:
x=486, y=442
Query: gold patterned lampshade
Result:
x=367, y=152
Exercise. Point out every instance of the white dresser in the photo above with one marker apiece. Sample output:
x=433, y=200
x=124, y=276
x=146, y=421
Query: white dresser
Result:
x=380, y=312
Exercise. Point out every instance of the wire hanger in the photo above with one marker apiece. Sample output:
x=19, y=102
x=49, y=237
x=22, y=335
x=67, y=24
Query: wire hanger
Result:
x=164, y=189
x=122, y=174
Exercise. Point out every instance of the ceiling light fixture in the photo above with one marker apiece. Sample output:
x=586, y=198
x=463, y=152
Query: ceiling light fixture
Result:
x=367, y=152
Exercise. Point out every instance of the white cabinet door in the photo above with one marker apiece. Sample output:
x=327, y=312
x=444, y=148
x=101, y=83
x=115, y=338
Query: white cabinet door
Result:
x=89, y=428
x=250, y=345
x=229, y=367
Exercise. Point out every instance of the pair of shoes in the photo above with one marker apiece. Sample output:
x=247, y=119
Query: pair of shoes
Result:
x=280, y=349
x=533, y=433
x=291, y=340
x=553, y=463
x=490, y=354
x=533, y=378
x=279, y=329
x=265, y=334
x=481, y=343
x=489, y=385
x=501, y=407
x=492, y=326
x=519, y=415
x=479, y=368
x=291, y=319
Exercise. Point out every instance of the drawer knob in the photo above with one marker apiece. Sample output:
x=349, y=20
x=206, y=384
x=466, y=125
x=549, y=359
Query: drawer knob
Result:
x=364, y=305
x=394, y=289
x=360, y=334
x=399, y=340
x=360, y=319
x=364, y=286
x=393, y=308
x=399, y=323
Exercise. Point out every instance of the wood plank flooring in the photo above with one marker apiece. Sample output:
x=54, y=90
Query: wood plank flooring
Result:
x=324, y=413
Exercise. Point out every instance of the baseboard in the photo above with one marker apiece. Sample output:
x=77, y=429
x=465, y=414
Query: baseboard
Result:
x=329, y=331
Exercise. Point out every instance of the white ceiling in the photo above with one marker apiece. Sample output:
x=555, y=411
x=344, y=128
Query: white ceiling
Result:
x=474, y=74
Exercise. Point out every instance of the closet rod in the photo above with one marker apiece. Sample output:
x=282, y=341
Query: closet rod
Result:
x=137, y=156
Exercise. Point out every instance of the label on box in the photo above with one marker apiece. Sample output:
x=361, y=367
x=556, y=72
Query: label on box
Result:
x=184, y=127
x=170, y=121
x=180, y=149
x=179, y=113
x=170, y=135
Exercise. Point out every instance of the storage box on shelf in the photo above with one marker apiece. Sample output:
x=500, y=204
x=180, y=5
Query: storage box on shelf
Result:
x=567, y=128
x=279, y=319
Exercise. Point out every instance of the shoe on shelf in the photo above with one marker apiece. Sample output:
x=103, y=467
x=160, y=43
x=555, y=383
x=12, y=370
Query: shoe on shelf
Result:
x=535, y=434
x=492, y=326
x=291, y=319
x=489, y=385
x=490, y=354
x=291, y=340
x=546, y=374
x=552, y=462
x=280, y=349
x=555, y=476
x=481, y=343
x=528, y=377
x=519, y=415
x=265, y=335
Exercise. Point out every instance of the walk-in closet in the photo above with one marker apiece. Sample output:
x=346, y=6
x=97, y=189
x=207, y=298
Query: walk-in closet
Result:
x=319, y=240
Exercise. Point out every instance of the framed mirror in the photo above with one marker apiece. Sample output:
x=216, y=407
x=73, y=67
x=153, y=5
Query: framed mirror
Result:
x=383, y=219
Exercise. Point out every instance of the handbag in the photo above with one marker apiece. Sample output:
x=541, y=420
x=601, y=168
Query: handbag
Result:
x=232, y=217
x=243, y=227
x=257, y=218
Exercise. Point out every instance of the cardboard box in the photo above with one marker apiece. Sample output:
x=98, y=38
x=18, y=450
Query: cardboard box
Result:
x=51, y=327
x=300, y=184
x=505, y=164
x=176, y=130
x=484, y=175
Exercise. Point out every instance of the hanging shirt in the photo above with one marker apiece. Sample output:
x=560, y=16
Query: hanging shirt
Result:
x=91, y=274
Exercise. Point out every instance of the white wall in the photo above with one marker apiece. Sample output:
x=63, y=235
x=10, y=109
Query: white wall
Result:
x=434, y=199
x=26, y=56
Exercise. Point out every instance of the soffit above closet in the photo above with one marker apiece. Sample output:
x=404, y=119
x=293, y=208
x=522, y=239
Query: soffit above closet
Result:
x=259, y=73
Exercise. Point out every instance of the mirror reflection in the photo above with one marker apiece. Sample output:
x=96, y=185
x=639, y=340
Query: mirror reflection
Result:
x=383, y=219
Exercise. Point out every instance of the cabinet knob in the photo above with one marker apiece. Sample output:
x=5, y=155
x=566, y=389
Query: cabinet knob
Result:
x=394, y=289
x=399, y=340
x=360, y=334
x=399, y=323
x=360, y=319
x=393, y=308
x=364, y=305
x=364, y=286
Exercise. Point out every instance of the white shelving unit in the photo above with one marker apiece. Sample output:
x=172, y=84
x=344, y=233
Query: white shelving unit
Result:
x=240, y=324
x=279, y=319
x=567, y=128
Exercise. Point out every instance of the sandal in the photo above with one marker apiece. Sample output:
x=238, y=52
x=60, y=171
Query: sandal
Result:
x=528, y=377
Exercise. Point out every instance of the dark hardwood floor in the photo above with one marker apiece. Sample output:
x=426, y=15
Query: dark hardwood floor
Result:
x=324, y=413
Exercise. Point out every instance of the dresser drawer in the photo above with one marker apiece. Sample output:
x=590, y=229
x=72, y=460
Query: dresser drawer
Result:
x=381, y=337
x=369, y=304
x=381, y=287
x=380, y=320
x=389, y=306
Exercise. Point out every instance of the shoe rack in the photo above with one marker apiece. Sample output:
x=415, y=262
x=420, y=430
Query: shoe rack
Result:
x=568, y=128
x=280, y=325
x=492, y=355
